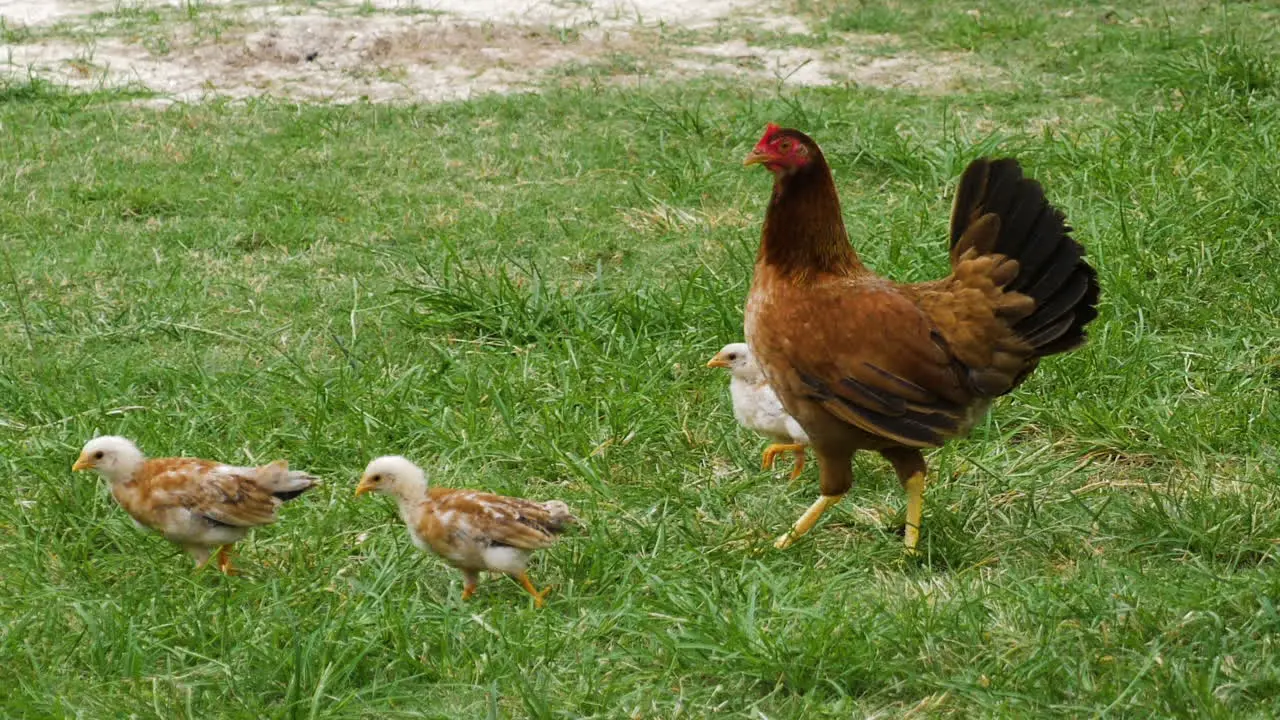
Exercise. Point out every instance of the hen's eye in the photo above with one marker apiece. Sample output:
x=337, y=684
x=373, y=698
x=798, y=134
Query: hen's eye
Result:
x=97, y=455
x=785, y=146
x=733, y=356
x=376, y=478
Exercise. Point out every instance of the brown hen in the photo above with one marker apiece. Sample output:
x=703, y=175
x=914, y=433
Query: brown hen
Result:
x=864, y=363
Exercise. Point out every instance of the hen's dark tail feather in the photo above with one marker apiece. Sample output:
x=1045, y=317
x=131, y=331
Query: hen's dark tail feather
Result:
x=1051, y=265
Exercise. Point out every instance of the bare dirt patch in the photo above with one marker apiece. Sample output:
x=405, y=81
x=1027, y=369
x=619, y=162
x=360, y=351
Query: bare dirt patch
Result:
x=34, y=12
x=317, y=56
x=847, y=64
x=402, y=51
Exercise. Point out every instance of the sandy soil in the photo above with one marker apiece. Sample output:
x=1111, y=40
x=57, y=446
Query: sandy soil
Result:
x=430, y=50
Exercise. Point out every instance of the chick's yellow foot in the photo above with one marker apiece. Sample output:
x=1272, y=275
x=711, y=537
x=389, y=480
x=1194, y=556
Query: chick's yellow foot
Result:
x=224, y=561
x=799, y=467
x=772, y=452
x=539, y=598
x=806, y=521
x=469, y=581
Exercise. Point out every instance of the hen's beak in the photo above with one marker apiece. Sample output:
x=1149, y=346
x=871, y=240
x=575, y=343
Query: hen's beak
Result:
x=365, y=486
x=82, y=463
x=717, y=362
x=756, y=157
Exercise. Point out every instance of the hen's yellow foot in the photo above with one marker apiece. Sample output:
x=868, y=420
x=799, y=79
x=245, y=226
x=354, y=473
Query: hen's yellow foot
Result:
x=806, y=521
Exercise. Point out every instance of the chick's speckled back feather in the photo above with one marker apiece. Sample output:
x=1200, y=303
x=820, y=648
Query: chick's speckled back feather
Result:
x=464, y=526
x=239, y=497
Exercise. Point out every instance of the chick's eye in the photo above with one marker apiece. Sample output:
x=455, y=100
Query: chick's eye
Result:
x=376, y=478
x=733, y=356
x=97, y=455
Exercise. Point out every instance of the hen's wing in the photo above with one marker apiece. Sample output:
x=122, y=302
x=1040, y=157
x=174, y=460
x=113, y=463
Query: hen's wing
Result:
x=878, y=364
x=517, y=522
x=235, y=496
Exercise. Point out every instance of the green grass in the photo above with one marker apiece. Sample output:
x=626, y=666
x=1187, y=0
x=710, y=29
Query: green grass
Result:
x=520, y=292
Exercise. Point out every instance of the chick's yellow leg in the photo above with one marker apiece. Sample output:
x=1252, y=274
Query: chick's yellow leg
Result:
x=201, y=557
x=915, y=503
x=807, y=520
x=799, y=467
x=772, y=452
x=527, y=584
x=469, y=581
x=224, y=561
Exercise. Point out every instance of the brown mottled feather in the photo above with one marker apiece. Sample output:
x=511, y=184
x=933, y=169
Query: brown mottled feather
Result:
x=237, y=497
x=489, y=518
x=460, y=525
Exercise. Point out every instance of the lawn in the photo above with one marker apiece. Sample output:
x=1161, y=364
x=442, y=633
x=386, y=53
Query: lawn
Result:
x=520, y=293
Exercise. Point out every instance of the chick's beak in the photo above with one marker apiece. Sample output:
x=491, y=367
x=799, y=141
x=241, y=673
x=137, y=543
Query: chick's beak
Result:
x=717, y=362
x=82, y=463
x=757, y=156
x=366, y=485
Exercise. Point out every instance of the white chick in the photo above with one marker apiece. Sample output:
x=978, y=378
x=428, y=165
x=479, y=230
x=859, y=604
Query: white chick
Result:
x=757, y=407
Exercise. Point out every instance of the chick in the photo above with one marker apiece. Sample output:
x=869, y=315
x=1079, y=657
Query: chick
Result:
x=200, y=505
x=757, y=408
x=470, y=530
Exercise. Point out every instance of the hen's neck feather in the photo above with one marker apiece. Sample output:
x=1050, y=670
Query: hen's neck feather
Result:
x=803, y=229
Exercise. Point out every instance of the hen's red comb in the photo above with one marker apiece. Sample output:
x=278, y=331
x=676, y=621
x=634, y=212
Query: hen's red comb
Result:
x=769, y=131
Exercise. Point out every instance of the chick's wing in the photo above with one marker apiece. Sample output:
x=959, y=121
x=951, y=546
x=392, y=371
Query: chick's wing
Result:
x=222, y=493
x=520, y=523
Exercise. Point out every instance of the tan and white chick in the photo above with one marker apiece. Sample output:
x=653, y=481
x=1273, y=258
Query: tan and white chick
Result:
x=756, y=407
x=470, y=530
x=200, y=505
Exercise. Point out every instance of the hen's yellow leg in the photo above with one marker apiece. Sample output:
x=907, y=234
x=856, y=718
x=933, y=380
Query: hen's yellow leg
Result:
x=915, y=503
x=527, y=584
x=806, y=521
x=772, y=452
